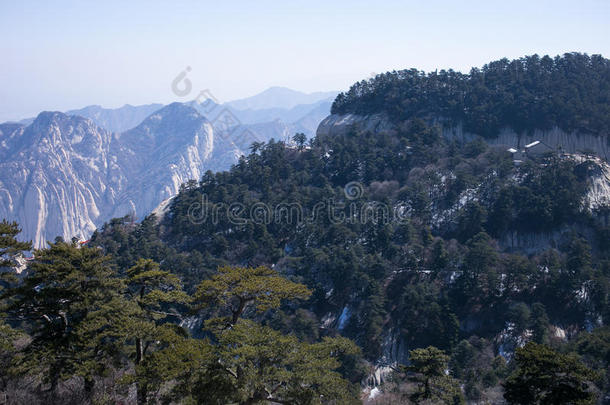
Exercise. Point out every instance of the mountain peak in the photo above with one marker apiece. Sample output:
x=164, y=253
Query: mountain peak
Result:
x=48, y=116
x=175, y=112
x=279, y=97
x=172, y=122
x=57, y=118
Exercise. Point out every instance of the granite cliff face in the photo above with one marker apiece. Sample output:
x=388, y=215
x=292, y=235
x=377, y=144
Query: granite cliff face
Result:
x=337, y=124
x=64, y=176
x=554, y=138
x=340, y=124
x=53, y=176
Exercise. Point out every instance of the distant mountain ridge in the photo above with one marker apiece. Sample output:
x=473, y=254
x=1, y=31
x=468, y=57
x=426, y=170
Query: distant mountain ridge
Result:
x=112, y=119
x=280, y=97
x=272, y=104
x=279, y=124
x=294, y=111
x=117, y=119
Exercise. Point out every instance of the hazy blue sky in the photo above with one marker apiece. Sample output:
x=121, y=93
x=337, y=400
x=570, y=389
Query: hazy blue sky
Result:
x=67, y=54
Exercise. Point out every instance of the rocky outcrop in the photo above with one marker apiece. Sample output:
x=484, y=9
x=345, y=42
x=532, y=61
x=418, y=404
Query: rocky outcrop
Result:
x=535, y=242
x=394, y=353
x=53, y=176
x=556, y=139
x=341, y=124
x=573, y=146
x=598, y=196
x=64, y=176
x=553, y=139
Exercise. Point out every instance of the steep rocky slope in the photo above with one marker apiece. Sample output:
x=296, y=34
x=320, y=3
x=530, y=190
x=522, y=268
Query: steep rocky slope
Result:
x=64, y=176
x=53, y=176
x=579, y=147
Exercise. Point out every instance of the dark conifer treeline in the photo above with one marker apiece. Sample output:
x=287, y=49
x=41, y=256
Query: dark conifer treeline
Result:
x=571, y=91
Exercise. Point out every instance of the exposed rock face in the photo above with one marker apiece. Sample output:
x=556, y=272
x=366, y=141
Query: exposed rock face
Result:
x=598, y=196
x=394, y=352
x=53, y=176
x=555, y=139
x=340, y=124
x=64, y=176
x=112, y=119
x=535, y=242
x=169, y=148
x=337, y=124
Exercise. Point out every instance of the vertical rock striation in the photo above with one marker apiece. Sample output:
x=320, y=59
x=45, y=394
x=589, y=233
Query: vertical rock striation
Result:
x=64, y=176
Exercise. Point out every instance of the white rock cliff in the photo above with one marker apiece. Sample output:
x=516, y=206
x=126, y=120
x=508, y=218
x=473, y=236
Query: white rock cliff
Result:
x=64, y=176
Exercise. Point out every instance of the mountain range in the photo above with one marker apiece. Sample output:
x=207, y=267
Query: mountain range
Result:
x=459, y=220
x=292, y=108
x=280, y=97
x=64, y=174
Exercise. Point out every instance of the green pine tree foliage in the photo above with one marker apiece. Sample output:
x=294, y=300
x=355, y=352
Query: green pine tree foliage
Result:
x=65, y=286
x=155, y=293
x=9, y=245
x=544, y=376
x=429, y=367
x=259, y=365
x=233, y=289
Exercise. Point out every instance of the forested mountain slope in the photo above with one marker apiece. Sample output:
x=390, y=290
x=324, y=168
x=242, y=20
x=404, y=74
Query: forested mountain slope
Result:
x=570, y=91
x=405, y=236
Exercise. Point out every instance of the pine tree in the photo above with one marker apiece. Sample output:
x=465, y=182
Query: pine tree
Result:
x=258, y=364
x=65, y=285
x=10, y=248
x=540, y=323
x=255, y=363
x=234, y=289
x=430, y=365
x=154, y=292
x=9, y=353
x=9, y=245
x=300, y=139
x=544, y=376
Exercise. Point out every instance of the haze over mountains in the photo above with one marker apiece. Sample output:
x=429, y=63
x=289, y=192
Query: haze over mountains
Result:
x=64, y=174
x=273, y=104
x=280, y=97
